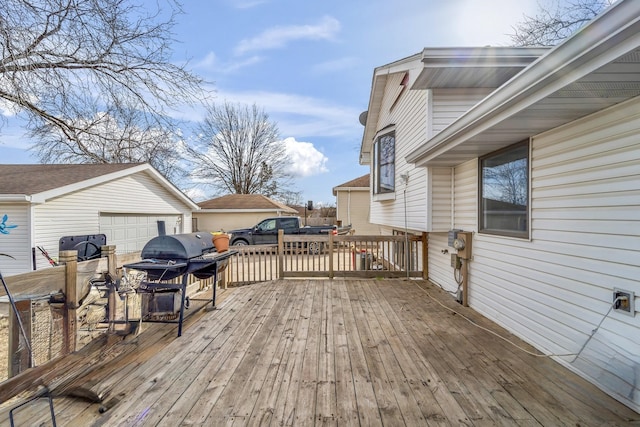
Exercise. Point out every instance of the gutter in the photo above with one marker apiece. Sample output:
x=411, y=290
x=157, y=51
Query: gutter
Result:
x=15, y=198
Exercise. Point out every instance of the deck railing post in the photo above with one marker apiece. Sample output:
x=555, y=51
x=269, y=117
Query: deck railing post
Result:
x=109, y=252
x=280, y=254
x=70, y=329
x=20, y=358
x=331, y=256
x=425, y=255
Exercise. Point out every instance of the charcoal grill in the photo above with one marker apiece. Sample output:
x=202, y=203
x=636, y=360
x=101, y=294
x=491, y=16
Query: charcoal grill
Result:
x=165, y=258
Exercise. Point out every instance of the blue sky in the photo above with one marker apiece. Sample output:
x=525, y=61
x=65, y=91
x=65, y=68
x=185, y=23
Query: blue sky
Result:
x=309, y=65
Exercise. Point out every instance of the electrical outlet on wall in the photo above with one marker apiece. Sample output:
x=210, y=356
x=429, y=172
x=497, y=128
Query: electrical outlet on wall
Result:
x=624, y=301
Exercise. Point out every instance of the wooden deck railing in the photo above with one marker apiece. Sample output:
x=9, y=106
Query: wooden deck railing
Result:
x=55, y=304
x=329, y=256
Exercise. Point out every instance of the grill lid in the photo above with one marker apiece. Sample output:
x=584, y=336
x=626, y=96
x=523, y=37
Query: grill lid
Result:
x=178, y=246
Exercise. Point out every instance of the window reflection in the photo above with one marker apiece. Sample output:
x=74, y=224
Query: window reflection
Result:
x=385, y=157
x=505, y=192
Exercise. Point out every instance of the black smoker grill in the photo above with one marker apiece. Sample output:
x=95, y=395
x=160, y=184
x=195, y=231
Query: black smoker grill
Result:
x=165, y=258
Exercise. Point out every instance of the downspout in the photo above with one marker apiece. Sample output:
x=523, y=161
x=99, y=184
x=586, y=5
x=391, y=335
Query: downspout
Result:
x=453, y=198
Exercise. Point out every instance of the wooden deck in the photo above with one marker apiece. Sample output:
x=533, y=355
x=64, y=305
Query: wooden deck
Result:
x=323, y=352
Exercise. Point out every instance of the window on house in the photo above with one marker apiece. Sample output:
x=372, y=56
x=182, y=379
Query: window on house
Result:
x=384, y=152
x=504, y=192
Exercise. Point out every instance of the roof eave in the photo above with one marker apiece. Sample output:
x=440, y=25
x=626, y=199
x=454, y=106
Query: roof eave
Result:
x=378, y=83
x=13, y=198
x=583, y=53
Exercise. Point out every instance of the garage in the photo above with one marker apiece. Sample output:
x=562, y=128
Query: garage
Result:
x=128, y=203
x=130, y=232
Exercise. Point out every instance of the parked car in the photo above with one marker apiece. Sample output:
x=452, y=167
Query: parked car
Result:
x=266, y=232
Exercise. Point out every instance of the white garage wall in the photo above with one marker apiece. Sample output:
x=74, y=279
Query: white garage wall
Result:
x=130, y=232
x=79, y=213
x=13, y=242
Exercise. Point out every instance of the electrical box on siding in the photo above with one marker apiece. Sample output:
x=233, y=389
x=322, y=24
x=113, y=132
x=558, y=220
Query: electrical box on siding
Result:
x=453, y=235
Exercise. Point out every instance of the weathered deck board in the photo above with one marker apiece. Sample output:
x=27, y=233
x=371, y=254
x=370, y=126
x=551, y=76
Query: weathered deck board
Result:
x=333, y=352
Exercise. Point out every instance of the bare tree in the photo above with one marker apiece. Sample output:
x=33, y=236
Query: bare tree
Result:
x=68, y=65
x=507, y=182
x=556, y=21
x=290, y=197
x=131, y=140
x=239, y=152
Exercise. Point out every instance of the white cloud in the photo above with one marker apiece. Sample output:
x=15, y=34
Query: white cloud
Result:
x=305, y=159
x=247, y=4
x=208, y=62
x=301, y=115
x=211, y=63
x=335, y=65
x=195, y=193
x=11, y=136
x=278, y=37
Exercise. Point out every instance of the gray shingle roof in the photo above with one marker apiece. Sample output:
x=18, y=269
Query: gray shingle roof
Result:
x=244, y=201
x=34, y=179
x=362, y=182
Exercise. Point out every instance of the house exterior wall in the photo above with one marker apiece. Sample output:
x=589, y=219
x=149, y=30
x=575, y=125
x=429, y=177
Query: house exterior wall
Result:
x=439, y=259
x=79, y=213
x=449, y=104
x=408, y=111
x=465, y=190
x=13, y=242
x=230, y=220
x=461, y=214
x=555, y=289
x=352, y=207
x=441, y=196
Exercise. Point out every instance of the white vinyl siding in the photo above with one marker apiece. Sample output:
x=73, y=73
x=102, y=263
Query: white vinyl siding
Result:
x=462, y=216
x=440, y=270
x=449, y=104
x=352, y=207
x=466, y=196
x=14, y=242
x=408, y=114
x=130, y=232
x=441, y=194
x=555, y=289
x=393, y=89
x=78, y=213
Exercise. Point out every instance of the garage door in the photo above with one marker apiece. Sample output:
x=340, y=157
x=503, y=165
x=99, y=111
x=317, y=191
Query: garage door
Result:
x=131, y=232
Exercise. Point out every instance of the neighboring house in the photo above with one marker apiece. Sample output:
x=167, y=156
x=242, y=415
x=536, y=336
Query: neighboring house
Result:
x=544, y=169
x=352, y=205
x=128, y=203
x=235, y=211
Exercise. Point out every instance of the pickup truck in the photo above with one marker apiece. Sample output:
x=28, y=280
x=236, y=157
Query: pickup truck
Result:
x=266, y=232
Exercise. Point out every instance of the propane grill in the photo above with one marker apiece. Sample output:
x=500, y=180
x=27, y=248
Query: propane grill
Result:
x=168, y=257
